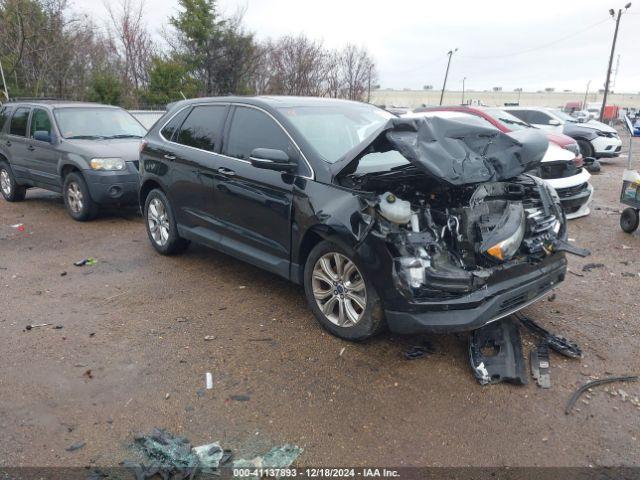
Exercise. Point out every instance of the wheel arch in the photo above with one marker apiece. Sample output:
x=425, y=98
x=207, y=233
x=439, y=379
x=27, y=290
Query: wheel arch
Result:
x=146, y=188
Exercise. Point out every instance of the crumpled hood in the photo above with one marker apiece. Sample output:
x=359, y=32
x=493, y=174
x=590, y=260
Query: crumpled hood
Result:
x=126, y=148
x=451, y=151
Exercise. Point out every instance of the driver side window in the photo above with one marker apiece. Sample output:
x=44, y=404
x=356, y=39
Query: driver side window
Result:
x=40, y=122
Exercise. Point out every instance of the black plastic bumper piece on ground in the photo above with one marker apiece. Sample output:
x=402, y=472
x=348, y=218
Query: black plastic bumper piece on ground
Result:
x=481, y=307
x=495, y=352
x=560, y=344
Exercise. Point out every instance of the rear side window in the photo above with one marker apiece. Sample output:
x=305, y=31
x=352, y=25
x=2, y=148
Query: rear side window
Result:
x=253, y=129
x=40, y=122
x=202, y=127
x=5, y=113
x=19, y=122
x=170, y=128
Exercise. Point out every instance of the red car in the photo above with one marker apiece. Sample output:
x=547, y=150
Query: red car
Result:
x=505, y=122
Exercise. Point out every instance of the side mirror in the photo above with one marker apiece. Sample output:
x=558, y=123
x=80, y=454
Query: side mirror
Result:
x=553, y=122
x=270, y=159
x=43, y=136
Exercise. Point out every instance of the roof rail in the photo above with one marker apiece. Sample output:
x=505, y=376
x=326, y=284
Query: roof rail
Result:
x=34, y=99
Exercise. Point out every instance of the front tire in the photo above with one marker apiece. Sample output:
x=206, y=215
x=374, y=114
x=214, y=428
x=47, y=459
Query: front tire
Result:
x=11, y=190
x=586, y=149
x=343, y=300
x=162, y=228
x=77, y=199
x=629, y=220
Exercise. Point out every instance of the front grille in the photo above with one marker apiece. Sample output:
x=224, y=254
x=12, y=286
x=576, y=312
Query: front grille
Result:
x=572, y=191
x=550, y=170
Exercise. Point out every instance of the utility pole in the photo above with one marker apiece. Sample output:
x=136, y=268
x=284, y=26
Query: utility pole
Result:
x=444, y=85
x=613, y=51
x=369, y=85
x=4, y=83
x=584, y=104
x=463, y=80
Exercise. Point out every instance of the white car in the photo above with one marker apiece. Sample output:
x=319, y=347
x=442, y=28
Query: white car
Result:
x=595, y=139
x=558, y=167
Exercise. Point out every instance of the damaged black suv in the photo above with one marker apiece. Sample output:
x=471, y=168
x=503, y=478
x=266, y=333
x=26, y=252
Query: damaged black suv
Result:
x=421, y=225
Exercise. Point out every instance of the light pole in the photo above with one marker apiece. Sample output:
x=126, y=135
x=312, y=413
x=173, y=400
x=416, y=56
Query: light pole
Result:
x=463, y=80
x=586, y=93
x=446, y=74
x=613, y=50
x=4, y=82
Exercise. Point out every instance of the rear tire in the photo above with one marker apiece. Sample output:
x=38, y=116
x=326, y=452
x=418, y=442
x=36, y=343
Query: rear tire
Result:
x=77, y=199
x=11, y=190
x=343, y=300
x=629, y=220
x=162, y=228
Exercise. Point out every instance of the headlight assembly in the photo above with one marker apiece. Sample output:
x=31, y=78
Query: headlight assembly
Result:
x=107, y=164
x=506, y=238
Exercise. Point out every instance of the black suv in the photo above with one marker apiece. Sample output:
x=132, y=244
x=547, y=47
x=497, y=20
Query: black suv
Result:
x=418, y=224
x=87, y=152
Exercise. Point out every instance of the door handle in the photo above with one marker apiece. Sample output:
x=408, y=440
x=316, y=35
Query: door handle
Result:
x=226, y=171
x=170, y=157
x=31, y=148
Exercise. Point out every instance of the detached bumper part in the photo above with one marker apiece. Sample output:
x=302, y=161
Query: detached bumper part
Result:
x=495, y=352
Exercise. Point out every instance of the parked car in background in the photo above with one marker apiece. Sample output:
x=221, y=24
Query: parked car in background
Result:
x=317, y=191
x=561, y=167
x=88, y=152
x=147, y=117
x=595, y=139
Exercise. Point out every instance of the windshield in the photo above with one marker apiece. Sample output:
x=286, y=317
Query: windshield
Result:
x=333, y=130
x=563, y=116
x=97, y=123
x=509, y=121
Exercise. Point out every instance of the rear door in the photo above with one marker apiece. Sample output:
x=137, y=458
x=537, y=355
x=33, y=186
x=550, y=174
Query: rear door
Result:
x=15, y=143
x=43, y=155
x=254, y=205
x=194, y=161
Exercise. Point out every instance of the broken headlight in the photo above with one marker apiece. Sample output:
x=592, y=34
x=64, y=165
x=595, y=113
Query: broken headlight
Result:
x=507, y=236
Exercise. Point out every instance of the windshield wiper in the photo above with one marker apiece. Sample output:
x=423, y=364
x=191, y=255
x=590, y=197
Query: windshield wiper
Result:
x=86, y=137
x=124, y=135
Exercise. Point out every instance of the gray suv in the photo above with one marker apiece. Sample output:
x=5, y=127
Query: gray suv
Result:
x=88, y=152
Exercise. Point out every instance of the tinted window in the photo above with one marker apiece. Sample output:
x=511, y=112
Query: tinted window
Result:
x=201, y=129
x=40, y=121
x=171, y=127
x=19, y=122
x=538, y=118
x=5, y=113
x=253, y=129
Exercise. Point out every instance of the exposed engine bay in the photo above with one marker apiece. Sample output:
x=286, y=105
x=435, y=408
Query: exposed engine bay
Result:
x=452, y=239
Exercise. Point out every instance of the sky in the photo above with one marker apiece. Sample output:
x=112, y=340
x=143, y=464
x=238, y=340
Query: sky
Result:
x=562, y=44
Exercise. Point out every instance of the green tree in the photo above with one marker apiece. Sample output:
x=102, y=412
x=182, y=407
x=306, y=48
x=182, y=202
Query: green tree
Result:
x=105, y=88
x=169, y=79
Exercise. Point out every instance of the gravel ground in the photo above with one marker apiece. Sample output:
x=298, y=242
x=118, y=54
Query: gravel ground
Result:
x=132, y=355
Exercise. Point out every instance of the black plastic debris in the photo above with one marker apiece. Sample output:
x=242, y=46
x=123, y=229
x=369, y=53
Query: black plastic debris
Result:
x=418, y=351
x=75, y=446
x=495, y=352
x=540, y=365
x=592, y=266
x=574, y=398
x=559, y=344
x=240, y=398
x=85, y=261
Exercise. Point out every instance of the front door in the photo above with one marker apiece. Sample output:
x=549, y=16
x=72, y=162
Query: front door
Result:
x=254, y=205
x=43, y=155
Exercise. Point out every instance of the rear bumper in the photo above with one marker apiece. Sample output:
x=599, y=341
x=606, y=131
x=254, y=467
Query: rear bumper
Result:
x=108, y=188
x=483, y=306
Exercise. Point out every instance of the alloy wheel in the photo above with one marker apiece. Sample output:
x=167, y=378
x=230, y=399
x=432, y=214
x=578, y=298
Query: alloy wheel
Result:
x=75, y=199
x=339, y=289
x=158, y=222
x=5, y=182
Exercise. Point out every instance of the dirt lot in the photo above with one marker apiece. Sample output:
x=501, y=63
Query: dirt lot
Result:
x=138, y=322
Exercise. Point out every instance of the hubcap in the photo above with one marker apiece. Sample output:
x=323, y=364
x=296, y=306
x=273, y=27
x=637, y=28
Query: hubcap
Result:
x=5, y=182
x=75, y=199
x=158, y=222
x=339, y=289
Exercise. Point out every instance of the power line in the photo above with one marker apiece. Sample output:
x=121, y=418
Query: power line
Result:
x=540, y=47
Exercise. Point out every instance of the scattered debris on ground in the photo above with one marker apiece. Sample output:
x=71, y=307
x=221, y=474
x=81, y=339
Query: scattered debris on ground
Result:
x=425, y=347
x=240, y=398
x=559, y=344
x=85, y=262
x=170, y=456
x=495, y=351
x=592, y=266
x=540, y=364
x=576, y=395
x=208, y=380
x=38, y=325
x=75, y=446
